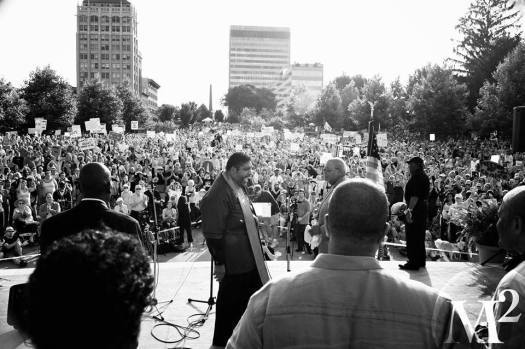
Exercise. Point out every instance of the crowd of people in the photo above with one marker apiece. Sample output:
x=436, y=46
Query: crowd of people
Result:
x=164, y=176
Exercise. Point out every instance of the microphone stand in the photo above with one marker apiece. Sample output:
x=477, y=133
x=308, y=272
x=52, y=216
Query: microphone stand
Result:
x=211, y=300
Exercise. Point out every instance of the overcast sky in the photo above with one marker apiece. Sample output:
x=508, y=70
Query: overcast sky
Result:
x=184, y=43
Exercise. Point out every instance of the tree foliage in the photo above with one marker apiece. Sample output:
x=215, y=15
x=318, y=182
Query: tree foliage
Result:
x=166, y=112
x=219, y=116
x=188, y=113
x=12, y=108
x=132, y=106
x=328, y=108
x=373, y=93
x=202, y=113
x=97, y=101
x=489, y=31
x=50, y=97
x=497, y=99
x=436, y=101
x=249, y=96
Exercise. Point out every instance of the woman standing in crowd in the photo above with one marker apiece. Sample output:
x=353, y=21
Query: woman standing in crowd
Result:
x=184, y=220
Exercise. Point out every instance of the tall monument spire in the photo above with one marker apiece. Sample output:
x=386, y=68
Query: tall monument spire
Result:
x=210, y=106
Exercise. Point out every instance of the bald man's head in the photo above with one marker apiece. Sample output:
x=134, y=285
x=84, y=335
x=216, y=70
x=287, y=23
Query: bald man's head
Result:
x=334, y=170
x=95, y=181
x=511, y=222
x=358, y=211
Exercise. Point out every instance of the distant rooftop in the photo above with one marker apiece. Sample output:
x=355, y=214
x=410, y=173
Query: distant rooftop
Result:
x=113, y=2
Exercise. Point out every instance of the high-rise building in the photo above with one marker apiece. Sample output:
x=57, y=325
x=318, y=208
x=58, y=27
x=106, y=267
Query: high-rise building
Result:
x=149, y=93
x=107, y=45
x=258, y=55
x=308, y=75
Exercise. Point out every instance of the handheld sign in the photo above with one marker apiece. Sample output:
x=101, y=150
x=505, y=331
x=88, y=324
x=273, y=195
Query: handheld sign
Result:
x=134, y=125
x=432, y=137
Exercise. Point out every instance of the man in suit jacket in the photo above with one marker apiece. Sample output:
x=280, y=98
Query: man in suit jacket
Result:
x=92, y=212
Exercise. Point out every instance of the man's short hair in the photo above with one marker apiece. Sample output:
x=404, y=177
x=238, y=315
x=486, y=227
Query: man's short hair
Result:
x=237, y=160
x=358, y=210
x=89, y=290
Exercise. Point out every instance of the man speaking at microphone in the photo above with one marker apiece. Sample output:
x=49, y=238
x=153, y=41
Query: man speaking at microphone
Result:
x=230, y=228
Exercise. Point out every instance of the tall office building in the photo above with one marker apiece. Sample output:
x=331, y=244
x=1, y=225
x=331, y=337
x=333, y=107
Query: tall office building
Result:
x=258, y=55
x=309, y=76
x=150, y=89
x=107, y=45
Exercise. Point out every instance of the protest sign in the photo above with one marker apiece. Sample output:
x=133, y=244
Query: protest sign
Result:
x=519, y=163
x=324, y=158
x=150, y=134
x=58, y=132
x=134, y=125
x=67, y=134
x=432, y=137
x=294, y=147
x=31, y=130
x=87, y=143
x=357, y=151
x=40, y=125
x=117, y=129
x=495, y=158
x=116, y=136
x=381, y=140
x=76, y=131
x=56, y=150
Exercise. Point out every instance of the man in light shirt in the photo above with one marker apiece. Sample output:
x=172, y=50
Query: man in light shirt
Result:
x=345, y=299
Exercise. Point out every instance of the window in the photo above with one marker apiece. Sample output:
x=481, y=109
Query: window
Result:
x=115, y=47
x=104, y=28
x=93, y=19
x=126, y=47
x=127, y=66
x=84, y=75
x=83, y=65
x=115, y=19
x=104, y=19
x=126, y=19
x=116, y=65
x=104, y=37
x=115, y=38
x=104, y=56
x=104, y=47
x=126, y=57
x=126, y=29
x=91, y=75
x=93, y=37
x=105, y=66
x=105, y=75
x=83, y=46
x=83, y=56
x=83, y=18
x=94, y=65
x=93, y=28
x=94, y=47
x=83, y=27
x=115, y=29
x=126, y=38
x=94, y=56
x=115, y=56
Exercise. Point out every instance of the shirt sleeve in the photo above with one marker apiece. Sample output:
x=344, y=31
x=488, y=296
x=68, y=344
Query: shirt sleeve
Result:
x=249, y=330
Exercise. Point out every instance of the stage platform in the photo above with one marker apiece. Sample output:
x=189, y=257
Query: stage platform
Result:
x=179, y=281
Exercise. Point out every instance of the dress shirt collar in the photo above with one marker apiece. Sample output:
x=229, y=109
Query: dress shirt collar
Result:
x=95, y=200
x=340, y=262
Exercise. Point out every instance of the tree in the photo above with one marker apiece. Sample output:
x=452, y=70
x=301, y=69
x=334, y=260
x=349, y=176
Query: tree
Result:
x=436, y=102
x=12, y=108
x=166, y=112
x=219, y=116
x=497, y=100
x=248, y=96
x=97, y=101
x=301, y=100
x=490, y=30
x=132, y=107
x=50, y=97
x=373, y=91
x=203, y=113
x=397, y=108
x=328, y=108
x=188, y=112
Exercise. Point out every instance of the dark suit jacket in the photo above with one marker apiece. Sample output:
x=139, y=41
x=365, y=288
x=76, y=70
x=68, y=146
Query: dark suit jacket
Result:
x=86, y=215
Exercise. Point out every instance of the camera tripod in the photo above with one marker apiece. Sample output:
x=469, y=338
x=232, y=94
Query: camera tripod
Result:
x=211, y=300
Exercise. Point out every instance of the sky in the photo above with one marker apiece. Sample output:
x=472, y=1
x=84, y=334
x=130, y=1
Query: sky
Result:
x=184, y=43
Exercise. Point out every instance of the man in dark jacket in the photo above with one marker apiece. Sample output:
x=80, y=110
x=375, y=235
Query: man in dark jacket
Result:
x=91, y=213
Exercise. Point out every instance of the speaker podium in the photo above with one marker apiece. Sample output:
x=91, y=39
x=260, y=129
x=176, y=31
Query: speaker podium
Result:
x=518, y=130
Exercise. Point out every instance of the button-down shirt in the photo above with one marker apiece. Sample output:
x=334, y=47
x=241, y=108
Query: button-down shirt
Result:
x=343, y=302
